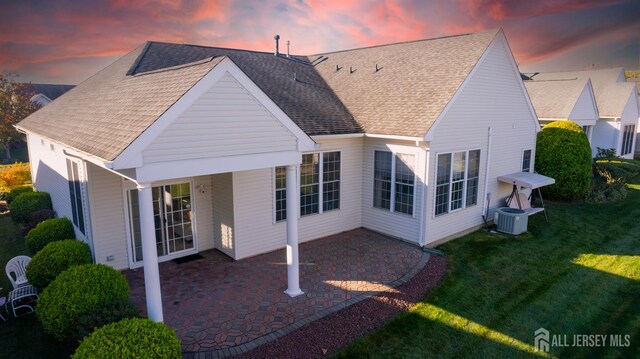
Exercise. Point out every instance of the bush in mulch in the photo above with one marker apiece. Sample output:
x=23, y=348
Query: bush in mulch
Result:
x=130, y=338
x=83, y=298
x=50, y=230
x=55, y=258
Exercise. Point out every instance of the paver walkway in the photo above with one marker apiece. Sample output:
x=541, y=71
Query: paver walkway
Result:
x=224, y=307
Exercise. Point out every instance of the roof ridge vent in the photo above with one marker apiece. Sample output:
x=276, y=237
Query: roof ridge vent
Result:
x=277, y=38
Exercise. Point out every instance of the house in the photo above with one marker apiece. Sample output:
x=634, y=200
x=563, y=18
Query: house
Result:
x=46, y=93
x=175, y=149
x=635, y=79
x=567, y=99
x=617, y=105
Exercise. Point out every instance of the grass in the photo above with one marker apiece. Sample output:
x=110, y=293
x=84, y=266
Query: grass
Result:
x=22, y=337
x=577, y=274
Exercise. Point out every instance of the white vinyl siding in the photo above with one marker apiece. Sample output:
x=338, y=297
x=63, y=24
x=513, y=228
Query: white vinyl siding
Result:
x=223, y=213
x=108, y=217
x=255, y=229
x=491, y=101
x=49, y=174
x=584, y=111
x=226, y=120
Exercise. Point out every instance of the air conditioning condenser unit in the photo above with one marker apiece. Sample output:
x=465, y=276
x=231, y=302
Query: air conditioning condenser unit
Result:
x=511, y=220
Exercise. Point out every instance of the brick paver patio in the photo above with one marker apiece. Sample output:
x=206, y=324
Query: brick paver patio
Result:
x=221, y=306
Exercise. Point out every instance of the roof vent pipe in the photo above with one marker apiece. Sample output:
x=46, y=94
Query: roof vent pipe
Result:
x=288, y=43
x=277, y=37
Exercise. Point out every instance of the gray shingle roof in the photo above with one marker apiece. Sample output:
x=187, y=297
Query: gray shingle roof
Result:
x=52, y=91
x=555, y=98
x=611, y=95
x=415, y=82
x=103, y=115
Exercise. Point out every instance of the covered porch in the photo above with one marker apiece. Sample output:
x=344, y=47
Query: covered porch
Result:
x=217, y=304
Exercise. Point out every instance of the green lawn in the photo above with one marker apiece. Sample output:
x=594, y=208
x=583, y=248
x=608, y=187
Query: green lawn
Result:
x=577, y=274
x=22, y=337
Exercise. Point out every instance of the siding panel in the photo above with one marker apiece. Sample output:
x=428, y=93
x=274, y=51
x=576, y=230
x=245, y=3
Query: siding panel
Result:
x=492, y=98
x=226, y=120
x=253, y=194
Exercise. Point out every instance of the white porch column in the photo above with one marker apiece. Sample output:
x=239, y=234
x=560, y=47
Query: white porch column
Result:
x=150, y=253
x=293, y=207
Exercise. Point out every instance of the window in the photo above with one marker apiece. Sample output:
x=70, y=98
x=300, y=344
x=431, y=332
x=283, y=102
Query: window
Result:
x=587, y=130
x=309, y=184
x=281, y=194
x=627, y=139
x=393, y=181
x=330, y=180
x=456, y=181
x=526, y=161
x=382, y=179
x=318, y=179
x=75, y=195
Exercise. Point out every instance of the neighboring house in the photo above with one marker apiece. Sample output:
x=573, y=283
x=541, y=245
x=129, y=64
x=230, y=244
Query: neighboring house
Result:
x=570, y=99
x=175, y=149
x=46, y=93
x=617, y=104
x=636, y=81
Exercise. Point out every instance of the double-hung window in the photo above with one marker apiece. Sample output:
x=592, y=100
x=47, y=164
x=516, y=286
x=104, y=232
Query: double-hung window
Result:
x=526, y=161
x=457, y=181
x=75, y=195
x=627, y=139
x=319, y=185
x=394, y=181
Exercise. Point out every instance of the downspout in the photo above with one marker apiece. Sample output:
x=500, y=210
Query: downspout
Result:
x=423, y=216
x=487, y=196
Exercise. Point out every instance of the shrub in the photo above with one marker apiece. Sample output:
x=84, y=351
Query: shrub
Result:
x=82, y=298
x=563, y=152
x=55, y=258
x=25, y=204
x=38, y=217
x=131, y=338
x=50, y=230
x=606, y=153
x=14, y=175
x=16, y=191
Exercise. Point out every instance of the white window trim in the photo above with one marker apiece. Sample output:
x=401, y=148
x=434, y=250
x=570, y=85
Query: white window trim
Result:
x=530, y=159
x=84, y=195
x=320, y=185
x=392, y=204
x=128, y=186
x=466, y=178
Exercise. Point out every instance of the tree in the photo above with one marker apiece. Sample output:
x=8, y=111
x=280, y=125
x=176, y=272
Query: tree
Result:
x=15, y=105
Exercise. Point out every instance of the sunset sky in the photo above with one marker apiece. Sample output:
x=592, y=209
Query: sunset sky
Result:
x=66, y=41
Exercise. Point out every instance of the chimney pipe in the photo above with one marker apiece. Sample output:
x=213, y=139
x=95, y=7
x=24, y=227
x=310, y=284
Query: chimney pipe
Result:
x=288, y=43
x=277, y=37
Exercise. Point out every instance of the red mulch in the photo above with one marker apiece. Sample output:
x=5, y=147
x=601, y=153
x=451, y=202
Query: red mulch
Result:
x=338, y=329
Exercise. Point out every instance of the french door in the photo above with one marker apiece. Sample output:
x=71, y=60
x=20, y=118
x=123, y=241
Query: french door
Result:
x=173, y=220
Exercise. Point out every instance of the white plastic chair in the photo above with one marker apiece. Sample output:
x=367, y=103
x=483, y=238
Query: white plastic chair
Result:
x=17, y=266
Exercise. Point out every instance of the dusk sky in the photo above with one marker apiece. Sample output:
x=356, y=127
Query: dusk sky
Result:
x=66, y=41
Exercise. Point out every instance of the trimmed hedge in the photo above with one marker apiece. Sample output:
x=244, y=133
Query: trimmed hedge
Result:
x=50, y=230
x=16, y=191
x=83, y=298
x=55, y=258
x=130, y=338
x=563, y=153
x=25, y=204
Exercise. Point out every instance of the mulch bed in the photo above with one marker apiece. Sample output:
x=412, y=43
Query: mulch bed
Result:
x=338, y=329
